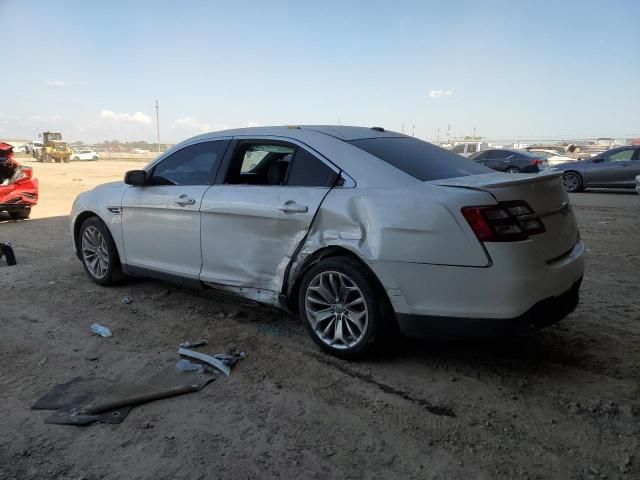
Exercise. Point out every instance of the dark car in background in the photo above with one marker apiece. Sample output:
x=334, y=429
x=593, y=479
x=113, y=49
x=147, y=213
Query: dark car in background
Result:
x=615, y=168
x=510, y=161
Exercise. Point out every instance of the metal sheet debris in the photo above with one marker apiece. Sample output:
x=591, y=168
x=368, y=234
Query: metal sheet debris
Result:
x=214, y=362
x=84, y=400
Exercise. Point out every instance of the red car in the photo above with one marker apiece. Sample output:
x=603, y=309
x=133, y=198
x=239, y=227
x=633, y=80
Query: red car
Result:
x=18, y=188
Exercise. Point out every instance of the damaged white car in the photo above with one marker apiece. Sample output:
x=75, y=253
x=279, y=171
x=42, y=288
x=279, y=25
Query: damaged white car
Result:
x=360, y=230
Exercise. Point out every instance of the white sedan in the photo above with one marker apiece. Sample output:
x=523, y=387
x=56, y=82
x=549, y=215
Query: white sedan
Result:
x=359, y=230
x=85, y=155
x=552, y=157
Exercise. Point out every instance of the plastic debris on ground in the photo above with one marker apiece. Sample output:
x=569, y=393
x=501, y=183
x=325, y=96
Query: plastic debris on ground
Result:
x=100, y=330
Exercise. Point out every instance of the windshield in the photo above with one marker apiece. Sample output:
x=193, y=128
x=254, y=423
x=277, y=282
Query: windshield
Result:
x=421, y=160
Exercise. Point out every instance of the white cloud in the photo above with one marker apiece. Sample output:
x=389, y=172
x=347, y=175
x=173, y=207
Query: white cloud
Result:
x=441, y=93
x=63, y=84
x=191, y=123
x=137, y=117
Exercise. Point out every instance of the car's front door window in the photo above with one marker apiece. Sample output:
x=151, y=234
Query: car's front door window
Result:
x=191, y=165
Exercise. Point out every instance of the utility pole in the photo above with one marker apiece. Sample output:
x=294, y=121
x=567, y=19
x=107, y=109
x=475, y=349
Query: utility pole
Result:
x=402, y=126
x=158, y=124
x=413, y=131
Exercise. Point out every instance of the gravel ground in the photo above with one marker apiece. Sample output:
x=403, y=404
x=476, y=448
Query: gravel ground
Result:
x=558, y=403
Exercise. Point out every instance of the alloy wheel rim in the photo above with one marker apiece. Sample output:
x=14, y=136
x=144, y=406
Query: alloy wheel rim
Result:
x=336, y=309
x=94, y=252
x=570, y=182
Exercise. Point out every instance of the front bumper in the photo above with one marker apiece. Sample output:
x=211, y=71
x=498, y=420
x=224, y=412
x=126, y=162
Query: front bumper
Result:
x=14, y=207
x=544, y=313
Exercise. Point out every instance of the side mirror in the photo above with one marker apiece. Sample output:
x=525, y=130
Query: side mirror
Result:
x=137, y=178
x=598, y=159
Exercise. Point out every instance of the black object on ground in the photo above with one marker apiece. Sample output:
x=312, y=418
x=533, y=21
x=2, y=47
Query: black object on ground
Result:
x=84, y=400
x=7, y=251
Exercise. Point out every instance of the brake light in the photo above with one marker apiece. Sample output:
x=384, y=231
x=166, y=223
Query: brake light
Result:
x=538, y=161
x=504, y=222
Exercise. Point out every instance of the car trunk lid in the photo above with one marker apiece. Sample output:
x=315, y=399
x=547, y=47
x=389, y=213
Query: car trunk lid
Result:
x=543, y=193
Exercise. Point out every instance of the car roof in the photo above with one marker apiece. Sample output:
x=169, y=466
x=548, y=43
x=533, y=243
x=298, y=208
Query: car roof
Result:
x=330, y=141
x=341, y=132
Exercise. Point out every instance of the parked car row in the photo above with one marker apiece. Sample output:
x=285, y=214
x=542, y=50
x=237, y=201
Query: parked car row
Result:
x=615, y=168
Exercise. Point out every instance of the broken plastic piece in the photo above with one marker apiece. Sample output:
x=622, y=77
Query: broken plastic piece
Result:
x=208, y=359
x=100, y=330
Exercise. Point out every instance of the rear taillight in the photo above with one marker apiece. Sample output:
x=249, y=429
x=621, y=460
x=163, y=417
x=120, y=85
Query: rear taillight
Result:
x=504, y=222
x=540, y=162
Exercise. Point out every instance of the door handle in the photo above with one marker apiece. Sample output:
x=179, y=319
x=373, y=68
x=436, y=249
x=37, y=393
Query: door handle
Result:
x=183, y=201
x=293, y=207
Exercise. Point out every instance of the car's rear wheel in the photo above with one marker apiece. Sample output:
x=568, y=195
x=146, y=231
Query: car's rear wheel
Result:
x=95, y=159
x=98, y=252
x=342, y=307
x=572, y=182
x=20, y=214
x=512, y=170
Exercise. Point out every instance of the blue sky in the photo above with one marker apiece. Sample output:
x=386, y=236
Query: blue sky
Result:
x=509, y=68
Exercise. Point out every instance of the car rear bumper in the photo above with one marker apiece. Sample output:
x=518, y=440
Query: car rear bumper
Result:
x=505, y=290
x=542, y=314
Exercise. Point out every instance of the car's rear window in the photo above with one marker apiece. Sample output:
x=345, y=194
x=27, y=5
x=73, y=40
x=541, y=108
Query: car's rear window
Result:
x=421, y=160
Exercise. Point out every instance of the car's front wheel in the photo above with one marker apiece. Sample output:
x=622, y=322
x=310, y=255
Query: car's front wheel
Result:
x=342, y=307
x=98, y=252
x=572, y=182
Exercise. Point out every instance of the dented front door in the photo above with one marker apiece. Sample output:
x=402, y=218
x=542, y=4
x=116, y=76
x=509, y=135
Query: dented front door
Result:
x=250, y=232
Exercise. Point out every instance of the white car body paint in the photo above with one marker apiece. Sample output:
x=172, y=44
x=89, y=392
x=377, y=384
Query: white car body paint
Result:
x=85, y=155
x=412, y=234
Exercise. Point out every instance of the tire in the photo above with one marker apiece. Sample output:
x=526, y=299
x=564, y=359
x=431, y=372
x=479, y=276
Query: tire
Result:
x=98, y=252
x=572, y=182
x=512, y=170
x=21, y=214
x=346, y=333
x=95, y=159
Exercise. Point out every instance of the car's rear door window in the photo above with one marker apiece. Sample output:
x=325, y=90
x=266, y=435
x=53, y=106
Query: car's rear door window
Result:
x=260, y=163
x=422, y=160
x=309, y=171
x=191, y=165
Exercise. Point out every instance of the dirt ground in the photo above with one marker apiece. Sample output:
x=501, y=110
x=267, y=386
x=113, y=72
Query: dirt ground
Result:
x=558, y=403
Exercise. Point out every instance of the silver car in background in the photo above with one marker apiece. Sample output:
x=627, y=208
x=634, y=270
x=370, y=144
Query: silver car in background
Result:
x=360, y=230
x=615, y=168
